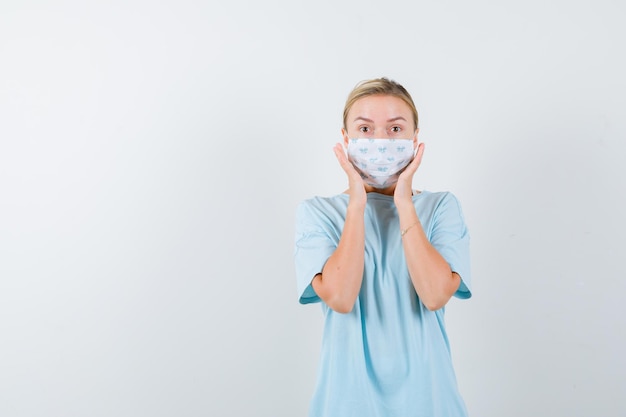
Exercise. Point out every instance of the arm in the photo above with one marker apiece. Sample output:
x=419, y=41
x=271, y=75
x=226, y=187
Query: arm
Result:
x=340, y=281
x=432, y=278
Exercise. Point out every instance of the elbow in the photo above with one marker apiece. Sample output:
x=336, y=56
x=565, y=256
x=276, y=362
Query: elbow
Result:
x=342, y=310
x=339, y=300
x=436, y=301
x=341, y=306
x=434, y=305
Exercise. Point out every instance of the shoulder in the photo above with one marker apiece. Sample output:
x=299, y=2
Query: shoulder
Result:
x=324, y=209
x=441, y=206
x=321, y=203
x=436, y=199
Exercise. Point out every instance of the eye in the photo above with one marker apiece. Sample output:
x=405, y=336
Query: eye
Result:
x=396, y=129
x=364, y=129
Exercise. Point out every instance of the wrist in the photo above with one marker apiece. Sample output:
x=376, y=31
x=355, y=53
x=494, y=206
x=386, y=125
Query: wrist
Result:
x=357, y=207
x=404, y=202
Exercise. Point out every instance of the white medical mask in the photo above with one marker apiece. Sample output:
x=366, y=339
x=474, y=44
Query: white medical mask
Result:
x=380, y=161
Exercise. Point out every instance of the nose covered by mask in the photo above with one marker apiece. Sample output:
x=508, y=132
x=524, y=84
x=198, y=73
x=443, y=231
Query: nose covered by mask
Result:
x=380, y=161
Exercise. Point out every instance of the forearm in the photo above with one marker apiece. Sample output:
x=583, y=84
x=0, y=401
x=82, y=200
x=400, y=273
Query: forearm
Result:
x=340, y=281
x=432, y=278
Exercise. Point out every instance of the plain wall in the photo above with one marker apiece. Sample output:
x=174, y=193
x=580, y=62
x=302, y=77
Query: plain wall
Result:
x=152, y=155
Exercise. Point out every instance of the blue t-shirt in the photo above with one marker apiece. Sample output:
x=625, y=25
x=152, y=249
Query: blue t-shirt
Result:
x=388, y=357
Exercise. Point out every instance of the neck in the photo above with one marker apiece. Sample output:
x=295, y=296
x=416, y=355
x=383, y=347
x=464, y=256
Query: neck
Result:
x=386, y=191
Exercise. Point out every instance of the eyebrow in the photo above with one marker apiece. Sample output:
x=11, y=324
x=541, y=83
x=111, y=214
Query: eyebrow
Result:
x=393, y=119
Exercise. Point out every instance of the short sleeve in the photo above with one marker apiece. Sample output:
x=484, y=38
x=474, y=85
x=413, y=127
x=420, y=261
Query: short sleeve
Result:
x=451, y=238
x=313, y=247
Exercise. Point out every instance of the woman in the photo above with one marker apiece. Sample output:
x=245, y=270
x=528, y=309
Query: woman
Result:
x=383, y=260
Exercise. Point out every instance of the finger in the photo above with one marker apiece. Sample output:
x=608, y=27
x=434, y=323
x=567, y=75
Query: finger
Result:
x=340, y=154
x=417, y=160
x=420, y=153
x=354, y=178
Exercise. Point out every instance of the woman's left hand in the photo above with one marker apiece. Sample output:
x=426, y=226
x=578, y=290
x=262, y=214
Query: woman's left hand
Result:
x=404, y=187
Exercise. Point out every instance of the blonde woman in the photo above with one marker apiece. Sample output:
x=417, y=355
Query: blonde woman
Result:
x=383, y=260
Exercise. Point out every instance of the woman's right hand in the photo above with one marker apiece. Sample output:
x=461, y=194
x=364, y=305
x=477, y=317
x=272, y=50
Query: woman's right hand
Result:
x=356, y=186
x=340, y=281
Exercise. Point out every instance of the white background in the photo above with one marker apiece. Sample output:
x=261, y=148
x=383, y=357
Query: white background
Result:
x=152, y=155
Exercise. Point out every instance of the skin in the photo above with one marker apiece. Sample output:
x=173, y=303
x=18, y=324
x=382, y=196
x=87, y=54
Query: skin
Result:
x=384, y=117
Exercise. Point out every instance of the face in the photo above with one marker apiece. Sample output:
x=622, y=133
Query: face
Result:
x=380, y=117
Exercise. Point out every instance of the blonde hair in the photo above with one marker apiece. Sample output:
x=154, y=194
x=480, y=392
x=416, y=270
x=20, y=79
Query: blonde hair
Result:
x=379, y=86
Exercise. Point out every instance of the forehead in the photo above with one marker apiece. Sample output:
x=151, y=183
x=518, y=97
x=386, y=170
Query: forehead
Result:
x=379, y=107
